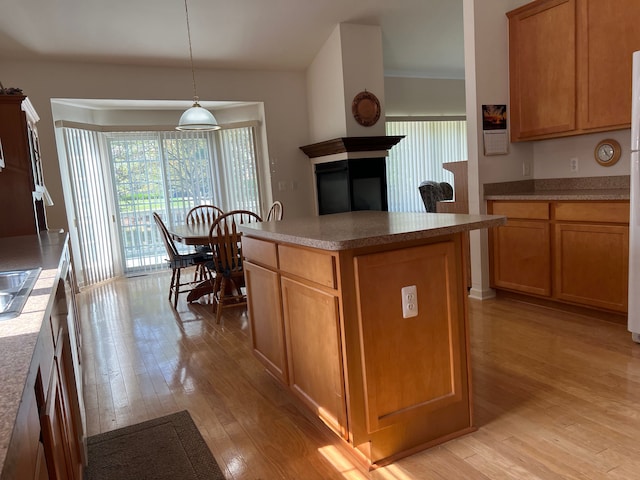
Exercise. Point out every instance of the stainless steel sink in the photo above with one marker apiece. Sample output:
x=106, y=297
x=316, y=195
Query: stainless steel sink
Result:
x=15, y=287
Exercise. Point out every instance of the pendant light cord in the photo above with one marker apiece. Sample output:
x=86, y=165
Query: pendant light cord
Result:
x=193, y=72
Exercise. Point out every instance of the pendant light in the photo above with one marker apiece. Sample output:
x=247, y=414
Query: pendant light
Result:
x=196, y=117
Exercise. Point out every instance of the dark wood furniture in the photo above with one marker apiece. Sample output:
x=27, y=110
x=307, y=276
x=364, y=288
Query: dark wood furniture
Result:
x=21, y=181
x=226, y=265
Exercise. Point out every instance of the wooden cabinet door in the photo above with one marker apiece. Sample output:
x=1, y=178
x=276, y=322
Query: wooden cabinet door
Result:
x=591, y=265
x=521, y=257
x=609, y=34
x=415, y=368
x=71, y=403
x=542, y=69
x=60, y=421
x=54, y=431
x=312, y=327
x=266, y=321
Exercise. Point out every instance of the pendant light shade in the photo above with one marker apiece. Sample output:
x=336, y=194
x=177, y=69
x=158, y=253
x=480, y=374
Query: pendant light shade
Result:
x=196, y=117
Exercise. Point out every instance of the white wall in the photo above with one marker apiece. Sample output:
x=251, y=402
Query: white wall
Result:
x=487, y=82
x=282, y=93
x=325, y=91
x=551, y=157
x=349, y=62
x=405, y=97
x=363, y=70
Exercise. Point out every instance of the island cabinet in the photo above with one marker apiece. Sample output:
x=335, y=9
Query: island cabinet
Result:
x=569, y=251
x=570, y=66
x=327, y=320
x=298, y=336
x=48, y=438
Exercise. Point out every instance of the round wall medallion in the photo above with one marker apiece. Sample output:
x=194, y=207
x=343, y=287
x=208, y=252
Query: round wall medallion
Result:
x=366, y=108
x=607, y=152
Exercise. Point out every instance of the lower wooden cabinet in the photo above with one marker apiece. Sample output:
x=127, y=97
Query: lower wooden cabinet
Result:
x=312, y=325
x=62, y=414
x=267, y=336
x=573, y=252
x=41, y=472
x=55, y=433
x=521, y=252
x=592, y=265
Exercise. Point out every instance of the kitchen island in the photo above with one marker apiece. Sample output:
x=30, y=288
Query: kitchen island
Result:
x=363, y=316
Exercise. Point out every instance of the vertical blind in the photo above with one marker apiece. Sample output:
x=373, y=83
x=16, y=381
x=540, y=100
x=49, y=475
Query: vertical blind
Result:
x=419, y=157
x=89, y=203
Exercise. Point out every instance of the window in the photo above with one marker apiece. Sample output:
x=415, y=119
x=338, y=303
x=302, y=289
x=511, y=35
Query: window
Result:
x=419, y=157
x=145, y=172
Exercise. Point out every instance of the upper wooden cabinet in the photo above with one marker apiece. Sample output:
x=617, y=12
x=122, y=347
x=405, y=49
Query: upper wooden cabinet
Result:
x=21, y=181
x=570, y=66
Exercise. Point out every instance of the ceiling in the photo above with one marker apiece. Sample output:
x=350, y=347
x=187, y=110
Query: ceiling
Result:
x=420, y=38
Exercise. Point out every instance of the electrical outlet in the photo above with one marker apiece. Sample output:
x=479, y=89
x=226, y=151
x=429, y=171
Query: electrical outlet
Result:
x=526, y=169
x=409, y=301
x=573, y=164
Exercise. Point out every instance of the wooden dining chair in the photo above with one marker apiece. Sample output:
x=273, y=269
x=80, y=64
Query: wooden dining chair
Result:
x=177, y=261
x=202, y=215
x=276, y=211
x=226, y=264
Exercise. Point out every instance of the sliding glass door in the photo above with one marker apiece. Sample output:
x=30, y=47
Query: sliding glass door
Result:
x=150, y=171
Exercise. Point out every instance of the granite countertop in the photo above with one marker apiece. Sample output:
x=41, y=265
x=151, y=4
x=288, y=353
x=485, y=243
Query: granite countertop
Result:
x=343, y=231
x=18, y=335
x=585, y=188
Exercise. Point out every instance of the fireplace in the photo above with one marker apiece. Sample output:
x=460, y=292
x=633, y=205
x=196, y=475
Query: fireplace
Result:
x=347, y=185
x=350, y=173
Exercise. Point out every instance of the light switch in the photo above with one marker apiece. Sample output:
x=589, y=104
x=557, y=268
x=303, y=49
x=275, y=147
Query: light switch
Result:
x=409, y=301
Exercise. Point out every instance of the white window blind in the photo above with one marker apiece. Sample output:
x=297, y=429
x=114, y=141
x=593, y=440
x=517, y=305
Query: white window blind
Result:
x=419, y=157
x=94, y=259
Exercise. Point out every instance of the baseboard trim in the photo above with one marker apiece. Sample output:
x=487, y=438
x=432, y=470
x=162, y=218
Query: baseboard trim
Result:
x=478, y=294
x=620, y=318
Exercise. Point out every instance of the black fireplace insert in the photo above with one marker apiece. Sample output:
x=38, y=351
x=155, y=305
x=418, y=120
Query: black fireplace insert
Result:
x=349, y=185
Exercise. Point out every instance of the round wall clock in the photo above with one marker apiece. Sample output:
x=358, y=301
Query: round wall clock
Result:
x=366, y=108
x=607, y=152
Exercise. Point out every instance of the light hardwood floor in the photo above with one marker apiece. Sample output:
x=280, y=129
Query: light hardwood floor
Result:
x=556, y=395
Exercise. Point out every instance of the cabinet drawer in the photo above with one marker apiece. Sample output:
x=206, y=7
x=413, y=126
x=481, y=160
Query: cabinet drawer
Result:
x=600, y=212
x=530, y=210
x=260, y=251
x=312, y=265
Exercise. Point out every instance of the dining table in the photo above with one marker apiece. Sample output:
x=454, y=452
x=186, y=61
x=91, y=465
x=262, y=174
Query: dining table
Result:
x=193, y=234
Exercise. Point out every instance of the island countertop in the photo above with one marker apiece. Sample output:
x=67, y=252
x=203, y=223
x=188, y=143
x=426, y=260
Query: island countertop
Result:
x=343, y=231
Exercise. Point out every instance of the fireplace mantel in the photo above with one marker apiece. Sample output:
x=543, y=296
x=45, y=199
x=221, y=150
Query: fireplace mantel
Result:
x=350, y=144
